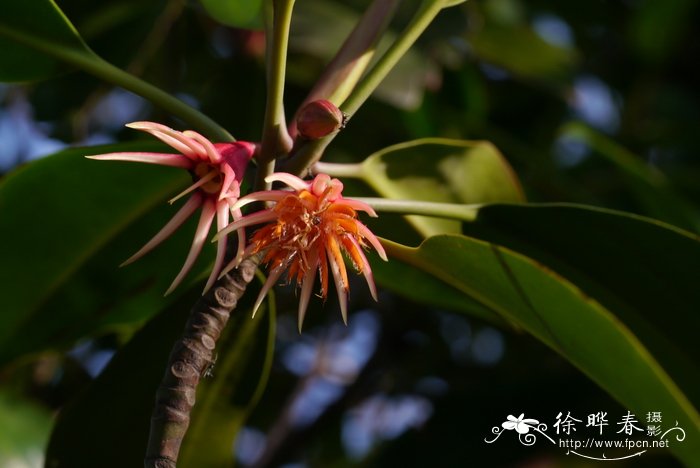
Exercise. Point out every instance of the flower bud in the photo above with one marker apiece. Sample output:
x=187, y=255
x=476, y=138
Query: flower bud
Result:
x=318, y=119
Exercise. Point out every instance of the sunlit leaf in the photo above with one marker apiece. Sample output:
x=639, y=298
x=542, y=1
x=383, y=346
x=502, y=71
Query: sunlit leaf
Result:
x=442, y=170
x=559, y=314
x=641, y=269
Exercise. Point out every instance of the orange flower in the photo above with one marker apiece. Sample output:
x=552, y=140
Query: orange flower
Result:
x=309, y=229
x=216, y=169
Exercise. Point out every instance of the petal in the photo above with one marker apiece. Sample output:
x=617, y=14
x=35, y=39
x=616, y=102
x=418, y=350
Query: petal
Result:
x=293, y=181
x=367, y=234
x=228, y=189
x=307, y=285
x=200, y=235
x=222, y=215
x=254, y=218
x=358, y=206
x=271, y=279
x=364, y=267
x=172, y=138
x=163, y=159
x=211, y=152
x=175, y=222
x=194, y=186
x=509, y=425
x=340, y=277
x=522, y=428
x=263, y=195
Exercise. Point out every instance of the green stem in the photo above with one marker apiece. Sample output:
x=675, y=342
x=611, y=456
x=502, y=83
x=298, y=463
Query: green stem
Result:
x=414, y=207
x=88, y=61
x=355, y=171
x=311, y=152
x=275, y=138
x=347, y=66
x=427, y=11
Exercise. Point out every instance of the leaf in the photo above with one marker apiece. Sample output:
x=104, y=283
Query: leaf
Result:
x=111, y=419
x=247, y=15
x=651, y=187
x=518, y=49
x=226, y=400
x=58, y=213
x=26, y=430
x=421, y=287
x=442, y=170
x=643, y=270
x=559, y=314
x=42, y=24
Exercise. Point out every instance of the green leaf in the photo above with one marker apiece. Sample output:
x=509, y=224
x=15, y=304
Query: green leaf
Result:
x=63, y=232
x=111, y=419
x=518, y=49
x=651, y=187
x=643, y=270
x=559, y=314
x=442, y=170
x=26, y=430
x=39, y=22
x=247, y=14
x=225, y=402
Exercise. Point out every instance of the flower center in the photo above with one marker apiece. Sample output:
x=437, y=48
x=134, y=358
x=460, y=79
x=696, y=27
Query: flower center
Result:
x=212, y=175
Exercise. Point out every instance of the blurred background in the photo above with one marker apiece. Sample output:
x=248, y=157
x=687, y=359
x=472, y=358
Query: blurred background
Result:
x=591, y=102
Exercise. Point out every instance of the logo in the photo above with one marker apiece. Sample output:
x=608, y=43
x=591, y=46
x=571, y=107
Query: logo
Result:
x=594, y=438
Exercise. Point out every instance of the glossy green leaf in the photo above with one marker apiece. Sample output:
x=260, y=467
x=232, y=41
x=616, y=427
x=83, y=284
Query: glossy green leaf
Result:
x=111, y=419
x=41, y=23
x=26, y=428
x=247, y=14
x=643, y=270
x=651, y=187
x=445, y=171
x=239, y=380
x=559, y=314
x=64, y=229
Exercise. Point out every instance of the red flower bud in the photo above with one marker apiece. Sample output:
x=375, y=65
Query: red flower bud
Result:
x=319, y=118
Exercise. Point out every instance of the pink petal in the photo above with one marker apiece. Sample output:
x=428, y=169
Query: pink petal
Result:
x=367, y=234
x=200, y=235
x=358, y=205
x=229, y=183
x=291, y=180
x=222, y=214
x=263, y=195
x=366, y=270
x=175, y=222
x=194, y=186
x=254, y=218
x=241, y=236
x=340, y=286
x=167, y=135
x=274, y=276
x=307, y=284
x=237, y=155
x=163, y=159
x=213, y=154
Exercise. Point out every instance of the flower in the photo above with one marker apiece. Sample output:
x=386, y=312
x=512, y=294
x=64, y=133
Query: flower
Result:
x=216, y=169
x=308, y=229
x=522, y=426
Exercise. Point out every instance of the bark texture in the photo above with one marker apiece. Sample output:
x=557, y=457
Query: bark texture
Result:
x=189, y=359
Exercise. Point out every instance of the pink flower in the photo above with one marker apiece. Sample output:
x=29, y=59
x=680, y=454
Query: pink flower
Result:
x=216, y=168
x=309, y=228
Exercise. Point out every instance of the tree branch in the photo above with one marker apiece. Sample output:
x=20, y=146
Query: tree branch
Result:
x=188, y=361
